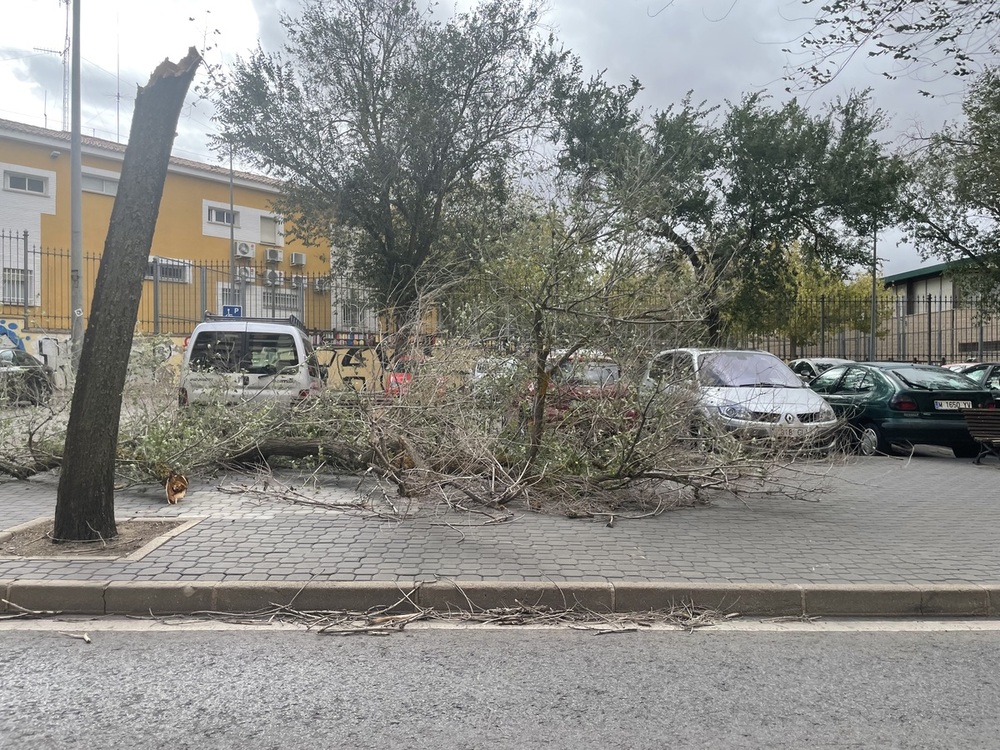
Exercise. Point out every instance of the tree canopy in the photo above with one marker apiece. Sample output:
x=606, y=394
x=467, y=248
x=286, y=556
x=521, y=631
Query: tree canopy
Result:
x=953, y=207
x=731, y=191
x=382, y=119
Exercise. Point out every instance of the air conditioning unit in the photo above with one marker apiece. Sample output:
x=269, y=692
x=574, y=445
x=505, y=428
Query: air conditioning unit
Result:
x=298, y=259
x=246, y=274
x=299, y=282
x=245, y=250
x=273, y=255
x=274, y=278
x=321, y=285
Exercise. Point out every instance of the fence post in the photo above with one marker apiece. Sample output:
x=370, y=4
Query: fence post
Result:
x=203, y=297
x=24, y=278
x=979, y=339
x=156, y=295
x=901, y=330
x=953, y=338
x=822, y=325
x=940, y=333
x=930, y=332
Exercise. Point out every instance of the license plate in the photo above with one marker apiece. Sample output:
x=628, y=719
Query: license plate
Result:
x=953, y=405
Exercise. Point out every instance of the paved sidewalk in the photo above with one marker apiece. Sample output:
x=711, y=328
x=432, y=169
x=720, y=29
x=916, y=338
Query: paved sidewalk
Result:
x=873, y=536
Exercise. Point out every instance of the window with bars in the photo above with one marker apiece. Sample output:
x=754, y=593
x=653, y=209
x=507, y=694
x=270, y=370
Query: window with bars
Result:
x=231, y=296
x=281, y=300
x=176, y=271
x=18, y=286
x=351, y=314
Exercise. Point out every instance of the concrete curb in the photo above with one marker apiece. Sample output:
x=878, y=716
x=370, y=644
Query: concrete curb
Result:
x=753, y=600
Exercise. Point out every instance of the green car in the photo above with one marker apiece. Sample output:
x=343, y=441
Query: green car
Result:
x=886, y=403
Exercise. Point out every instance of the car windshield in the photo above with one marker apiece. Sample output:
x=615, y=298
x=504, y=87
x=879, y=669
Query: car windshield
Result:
x=745, y=369
x=934, y=379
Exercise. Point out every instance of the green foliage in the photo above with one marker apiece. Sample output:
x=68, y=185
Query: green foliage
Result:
x=386, y=125
x=727, y=193
x=953, y=207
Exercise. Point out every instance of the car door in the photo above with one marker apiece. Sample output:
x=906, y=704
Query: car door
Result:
x=214, y=366
x=829, y=385
x=856, y=393
x=270, y=365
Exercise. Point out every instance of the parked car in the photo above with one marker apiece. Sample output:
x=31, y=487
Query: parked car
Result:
x=902, y=403
x=807, y=369
x=752, y=394
x=987, y=374
x=494, y=380
x=236, y=360
x=400, y=375
x=23, y=378
x=585, y=377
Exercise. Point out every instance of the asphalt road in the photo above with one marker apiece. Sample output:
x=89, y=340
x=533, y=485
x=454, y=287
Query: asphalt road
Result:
x=499, y=689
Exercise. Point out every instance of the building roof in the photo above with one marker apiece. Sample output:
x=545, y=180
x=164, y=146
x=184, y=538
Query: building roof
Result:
x=924, y=272
x=111, y=149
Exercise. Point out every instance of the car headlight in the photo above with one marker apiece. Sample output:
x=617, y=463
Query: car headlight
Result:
x=735, y=411
x=826, y=412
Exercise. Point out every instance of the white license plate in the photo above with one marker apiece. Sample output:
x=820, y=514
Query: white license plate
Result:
x=953, y=405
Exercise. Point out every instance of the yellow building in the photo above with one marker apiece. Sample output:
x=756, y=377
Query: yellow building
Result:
x=218, y=243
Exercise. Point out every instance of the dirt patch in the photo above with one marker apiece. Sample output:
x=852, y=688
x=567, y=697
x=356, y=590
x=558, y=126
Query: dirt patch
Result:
x=35, y=539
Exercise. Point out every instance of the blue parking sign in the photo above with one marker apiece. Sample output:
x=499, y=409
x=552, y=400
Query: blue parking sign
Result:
x=232, y=311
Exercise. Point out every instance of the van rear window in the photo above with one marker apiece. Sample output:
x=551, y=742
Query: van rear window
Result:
x=235, y=351
x=217, y=350
x=267, y=352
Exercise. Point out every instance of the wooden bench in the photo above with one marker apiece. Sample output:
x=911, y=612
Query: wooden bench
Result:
x=984, y=426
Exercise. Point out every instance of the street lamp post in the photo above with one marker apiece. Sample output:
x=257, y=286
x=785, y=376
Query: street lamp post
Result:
x=874, y=310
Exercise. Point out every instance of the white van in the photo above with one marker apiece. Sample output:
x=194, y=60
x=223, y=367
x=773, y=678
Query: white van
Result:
x=236, y=360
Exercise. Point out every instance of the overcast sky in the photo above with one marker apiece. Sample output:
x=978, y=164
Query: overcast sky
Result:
x=719, y=49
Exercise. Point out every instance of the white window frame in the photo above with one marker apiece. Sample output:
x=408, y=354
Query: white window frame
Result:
x=269, y=230
x=214, y=213
x=12, y=286
x=28, y=178
x=184, y=277
x=107, y=186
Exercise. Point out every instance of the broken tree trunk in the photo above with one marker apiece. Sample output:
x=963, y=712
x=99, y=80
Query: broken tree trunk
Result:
x=85, y=507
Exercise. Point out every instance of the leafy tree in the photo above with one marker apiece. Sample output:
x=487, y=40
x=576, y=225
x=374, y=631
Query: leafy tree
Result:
x=385, y=123
x=811, y=300
x=953, y=207
x=728, y=197
x=953, y=36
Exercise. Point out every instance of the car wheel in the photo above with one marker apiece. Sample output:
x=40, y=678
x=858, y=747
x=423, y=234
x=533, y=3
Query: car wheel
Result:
x=871, y=441
x=966, y=450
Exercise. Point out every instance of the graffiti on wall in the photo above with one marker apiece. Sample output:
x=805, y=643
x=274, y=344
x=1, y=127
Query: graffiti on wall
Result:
x=9, y=331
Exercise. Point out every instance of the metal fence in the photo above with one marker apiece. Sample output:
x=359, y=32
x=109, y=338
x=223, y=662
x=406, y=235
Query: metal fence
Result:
x=927, y=328
x=337, y=308
x=176, y=294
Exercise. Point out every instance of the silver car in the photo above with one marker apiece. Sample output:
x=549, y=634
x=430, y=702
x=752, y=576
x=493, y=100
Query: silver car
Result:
x=752, y=394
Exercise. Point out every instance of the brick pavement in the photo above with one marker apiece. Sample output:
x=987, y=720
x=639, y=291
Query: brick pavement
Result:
x=929, y=520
